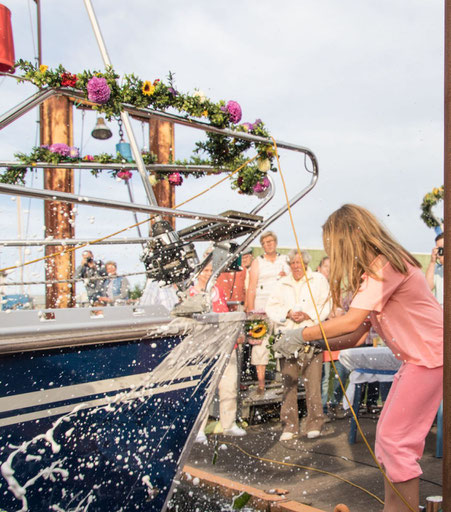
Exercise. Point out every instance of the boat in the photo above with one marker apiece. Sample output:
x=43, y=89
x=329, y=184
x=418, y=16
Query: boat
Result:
x=99, y=406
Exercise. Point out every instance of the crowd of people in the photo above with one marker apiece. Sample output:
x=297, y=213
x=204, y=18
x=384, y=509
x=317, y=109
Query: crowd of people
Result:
x=367, y=286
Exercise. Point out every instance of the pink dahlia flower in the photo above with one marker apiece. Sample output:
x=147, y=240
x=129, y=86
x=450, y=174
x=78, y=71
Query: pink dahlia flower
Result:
x=60, y=149
x=261, y=185
x=98, y=90
x=175, y=179
x=234, y=110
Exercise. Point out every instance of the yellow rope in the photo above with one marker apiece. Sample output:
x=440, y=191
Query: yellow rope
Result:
x=309, y=468
x=73, y=249
x=327, y=343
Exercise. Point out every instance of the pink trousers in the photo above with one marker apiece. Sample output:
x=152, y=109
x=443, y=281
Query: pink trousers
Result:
x=406, y=419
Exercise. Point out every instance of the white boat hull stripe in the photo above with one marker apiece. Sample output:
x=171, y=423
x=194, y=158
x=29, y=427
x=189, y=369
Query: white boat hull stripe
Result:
x=52, y=395
x=101, y=402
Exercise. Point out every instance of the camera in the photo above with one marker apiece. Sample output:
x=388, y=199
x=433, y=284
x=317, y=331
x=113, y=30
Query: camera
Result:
x=441, y=251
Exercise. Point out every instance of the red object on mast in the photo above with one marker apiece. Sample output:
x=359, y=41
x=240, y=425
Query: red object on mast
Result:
x=6, y=41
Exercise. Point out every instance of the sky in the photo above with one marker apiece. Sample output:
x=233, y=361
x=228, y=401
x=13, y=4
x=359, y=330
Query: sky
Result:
x=360, y=83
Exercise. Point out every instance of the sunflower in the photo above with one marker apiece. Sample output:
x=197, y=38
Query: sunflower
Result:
x=148, y=88
x=258, y=330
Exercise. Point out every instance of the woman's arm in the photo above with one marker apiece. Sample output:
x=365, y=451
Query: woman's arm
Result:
x=252, y=287
x=338, y=326
x=351, y=339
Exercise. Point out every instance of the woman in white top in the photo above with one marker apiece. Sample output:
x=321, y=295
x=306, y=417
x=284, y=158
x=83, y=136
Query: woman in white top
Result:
x=264, y=273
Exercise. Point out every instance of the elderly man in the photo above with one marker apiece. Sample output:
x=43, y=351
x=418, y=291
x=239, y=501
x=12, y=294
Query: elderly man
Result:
x=290, y=307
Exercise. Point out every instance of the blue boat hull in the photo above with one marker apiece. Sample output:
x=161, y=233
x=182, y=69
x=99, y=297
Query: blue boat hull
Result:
x=83, y=428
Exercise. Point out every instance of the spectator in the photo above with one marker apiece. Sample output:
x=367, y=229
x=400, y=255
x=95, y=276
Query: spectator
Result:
x=324, y=267
x=233, y=286
x=156, y=295
x=117, y=287
x=228, y=385
x=289, y=307
x=434, y=272
x=264, y=274
x=94, y=274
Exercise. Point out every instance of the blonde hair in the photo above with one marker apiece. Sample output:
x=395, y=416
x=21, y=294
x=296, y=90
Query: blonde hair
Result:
x=267, y=234
x=352, y=238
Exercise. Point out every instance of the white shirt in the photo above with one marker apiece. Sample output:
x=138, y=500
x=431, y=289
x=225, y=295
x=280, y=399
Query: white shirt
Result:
x=292, y=294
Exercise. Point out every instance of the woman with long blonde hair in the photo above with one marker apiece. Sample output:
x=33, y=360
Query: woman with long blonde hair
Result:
x=390, y=293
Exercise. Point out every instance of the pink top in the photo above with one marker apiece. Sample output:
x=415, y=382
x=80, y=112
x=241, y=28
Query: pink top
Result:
x=405, y=314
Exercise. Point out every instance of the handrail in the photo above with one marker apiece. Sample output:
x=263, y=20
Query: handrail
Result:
x=54, y=195
x=74, y=94
x=114, y=166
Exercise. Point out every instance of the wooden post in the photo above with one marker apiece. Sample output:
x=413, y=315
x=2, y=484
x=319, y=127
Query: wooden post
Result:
x=447, y=265
x=161, y=143
x=56, y=127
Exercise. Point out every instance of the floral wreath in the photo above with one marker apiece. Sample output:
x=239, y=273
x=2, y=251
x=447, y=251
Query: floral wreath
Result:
x=429, y=201
x=104, y=90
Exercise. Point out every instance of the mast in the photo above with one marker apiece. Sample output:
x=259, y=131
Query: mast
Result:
x=56, y=125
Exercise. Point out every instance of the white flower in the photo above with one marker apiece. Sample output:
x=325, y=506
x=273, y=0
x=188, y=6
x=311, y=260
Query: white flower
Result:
x=263, y=164
x=200, y=95
x=153, y=180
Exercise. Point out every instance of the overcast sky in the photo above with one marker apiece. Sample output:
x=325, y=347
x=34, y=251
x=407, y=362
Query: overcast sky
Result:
x=358, y=82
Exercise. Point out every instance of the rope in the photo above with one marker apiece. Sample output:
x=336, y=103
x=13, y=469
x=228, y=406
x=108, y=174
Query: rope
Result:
x=57, y=281
x=327, y=342
x=73, y=249
x=309, y=468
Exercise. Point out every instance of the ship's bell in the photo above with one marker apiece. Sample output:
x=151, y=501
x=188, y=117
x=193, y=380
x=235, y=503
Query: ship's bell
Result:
x=6, y=41
x=101, y=130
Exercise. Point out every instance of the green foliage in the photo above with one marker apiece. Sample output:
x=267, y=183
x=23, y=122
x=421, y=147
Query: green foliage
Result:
x=136, y=292
x=241, y=500
x=429, y=201
x=221, y=151
x=14, y=175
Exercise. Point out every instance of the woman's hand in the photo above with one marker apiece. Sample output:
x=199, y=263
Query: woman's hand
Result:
x=298, y=316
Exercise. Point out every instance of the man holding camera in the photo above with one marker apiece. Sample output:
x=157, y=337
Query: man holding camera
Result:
x=434, y=272
x=94, y=274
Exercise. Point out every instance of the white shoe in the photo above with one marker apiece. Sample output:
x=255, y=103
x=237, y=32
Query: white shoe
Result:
x=201, y=438
x=235, y=431
x=287, y=436
x=313, y=434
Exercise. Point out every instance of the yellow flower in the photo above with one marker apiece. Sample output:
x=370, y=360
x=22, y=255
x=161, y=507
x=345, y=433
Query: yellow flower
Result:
x=148, y=88
x=153, y=180
x=43, y=68
x=258, y=331
x=205, y=113
x=263, y=164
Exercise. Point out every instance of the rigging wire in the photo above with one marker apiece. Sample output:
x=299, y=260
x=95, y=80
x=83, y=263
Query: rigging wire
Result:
x=73, y=249
x=320, y=324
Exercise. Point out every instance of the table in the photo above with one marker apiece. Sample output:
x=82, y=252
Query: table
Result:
x=366, y=364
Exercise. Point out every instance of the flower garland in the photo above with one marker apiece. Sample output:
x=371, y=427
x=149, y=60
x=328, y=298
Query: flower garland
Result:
x=429, y=201
x=104, y=90
x=62, y=153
